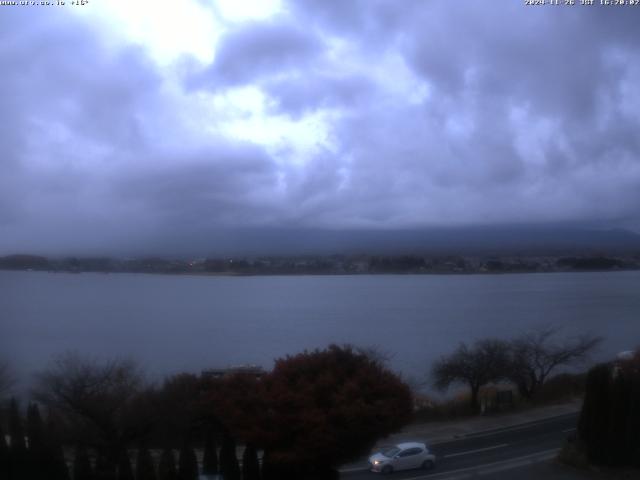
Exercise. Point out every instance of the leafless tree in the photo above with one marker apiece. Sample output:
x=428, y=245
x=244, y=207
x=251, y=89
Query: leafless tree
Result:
x=484, y=362
x=6, y=378
x=535, y=355
x=376, y=354
x=92, y=397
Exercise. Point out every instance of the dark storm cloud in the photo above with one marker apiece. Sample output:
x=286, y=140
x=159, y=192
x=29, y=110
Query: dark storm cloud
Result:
x=203, y=189
x=69, y=106
x=431, y=114
x=255, y=49
x=528, y=118
x=84, y=167
x=60, y=75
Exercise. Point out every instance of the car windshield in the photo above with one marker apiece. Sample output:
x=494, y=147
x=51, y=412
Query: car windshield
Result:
x=390, y=452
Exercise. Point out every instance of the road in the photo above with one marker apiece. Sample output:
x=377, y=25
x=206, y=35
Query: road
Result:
x=488, y=450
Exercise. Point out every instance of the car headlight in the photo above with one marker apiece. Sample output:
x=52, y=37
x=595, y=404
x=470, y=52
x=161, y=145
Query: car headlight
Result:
x=377, y=462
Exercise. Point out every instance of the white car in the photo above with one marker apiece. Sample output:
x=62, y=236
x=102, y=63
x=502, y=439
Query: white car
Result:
x=402, y=457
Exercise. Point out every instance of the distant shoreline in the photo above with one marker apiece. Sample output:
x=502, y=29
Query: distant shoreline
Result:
x=323, y=274
x=330, y=265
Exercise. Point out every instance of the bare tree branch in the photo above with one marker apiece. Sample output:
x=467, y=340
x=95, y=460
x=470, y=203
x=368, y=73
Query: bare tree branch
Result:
x=486, y=361
x=534, y=355
x=376, y=353
x=7, y=380
x=92, y=396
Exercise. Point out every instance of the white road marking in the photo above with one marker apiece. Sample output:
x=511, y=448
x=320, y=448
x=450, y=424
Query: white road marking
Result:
x=469, y=452
x=569, y=430
x=497, y=431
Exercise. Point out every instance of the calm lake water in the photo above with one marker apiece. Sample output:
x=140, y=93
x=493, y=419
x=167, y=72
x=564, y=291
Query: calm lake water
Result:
x=174, y=323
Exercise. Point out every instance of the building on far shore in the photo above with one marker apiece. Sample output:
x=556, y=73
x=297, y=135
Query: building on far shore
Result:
x=252, y=370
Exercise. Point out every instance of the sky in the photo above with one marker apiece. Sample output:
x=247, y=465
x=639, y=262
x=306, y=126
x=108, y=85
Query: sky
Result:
x=136, y=124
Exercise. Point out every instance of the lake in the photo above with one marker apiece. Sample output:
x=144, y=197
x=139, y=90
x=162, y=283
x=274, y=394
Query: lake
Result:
x=188, y=323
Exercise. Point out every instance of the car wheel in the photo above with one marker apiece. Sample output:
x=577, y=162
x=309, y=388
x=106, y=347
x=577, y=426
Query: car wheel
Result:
x=428, y=464
x=387, y=469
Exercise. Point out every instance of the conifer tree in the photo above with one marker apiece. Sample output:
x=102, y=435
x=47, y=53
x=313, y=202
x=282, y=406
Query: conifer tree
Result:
x=82, y=465
x=18, y=448
x=59, y=469
x=250, y=464
x=593, y=422
x=125, y=472
x=610, y=418
x=105, y=469
x=210, y=457
x=167, y=466
x=4, y=456
x=145, y=469
x=228, y=460
x=37, y=452
x=273, y=471
x=617, y=449
x=267, y=470
x=188, y=463
x=633, y=426
x=56, y=463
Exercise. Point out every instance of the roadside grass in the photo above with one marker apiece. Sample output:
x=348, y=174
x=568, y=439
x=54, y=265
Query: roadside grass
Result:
x=561, y=388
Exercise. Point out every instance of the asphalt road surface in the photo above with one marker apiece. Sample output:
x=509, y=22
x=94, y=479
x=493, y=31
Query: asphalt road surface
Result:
x=486, y=450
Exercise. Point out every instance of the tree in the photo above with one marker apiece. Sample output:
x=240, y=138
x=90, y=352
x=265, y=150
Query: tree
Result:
x=167, y=466
x=210, y=456
x=125, y=472
x=376, y=354
x=240, y=401
x=18, y=447
x=229, y=467
x=187, y=463
x=177, y=408
x=6, y=379
x=93, y=397
x=5, y=471
x=250, y=464
x=145, y=469
x=38, y=456
x=16, y=430
x=486, y=361
x=105, y=468
x=609, y=423
x=593, y=421
x=534, y=356
x=315, y=411
x=81, y=465
x=56, y=462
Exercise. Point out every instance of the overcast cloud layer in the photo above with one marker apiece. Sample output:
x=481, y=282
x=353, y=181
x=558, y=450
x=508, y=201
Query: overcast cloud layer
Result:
x=325, y=114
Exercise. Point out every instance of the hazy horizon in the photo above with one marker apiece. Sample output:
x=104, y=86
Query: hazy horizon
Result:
x=478, y=240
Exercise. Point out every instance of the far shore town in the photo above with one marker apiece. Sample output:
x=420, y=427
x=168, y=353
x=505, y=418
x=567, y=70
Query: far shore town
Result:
x=330, y=265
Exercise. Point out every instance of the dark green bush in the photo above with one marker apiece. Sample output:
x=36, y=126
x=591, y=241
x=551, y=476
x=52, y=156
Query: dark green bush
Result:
x=609, y=423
